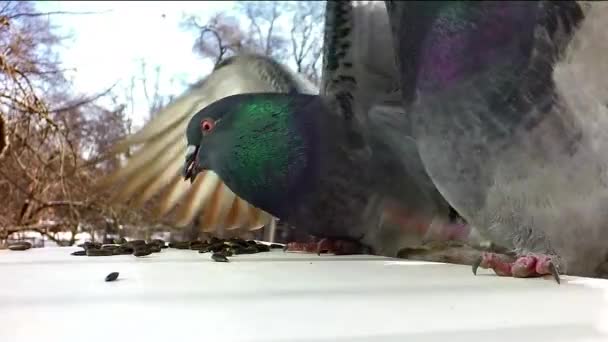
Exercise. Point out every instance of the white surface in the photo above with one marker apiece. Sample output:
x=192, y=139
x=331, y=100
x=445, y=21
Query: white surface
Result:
x=48, y=295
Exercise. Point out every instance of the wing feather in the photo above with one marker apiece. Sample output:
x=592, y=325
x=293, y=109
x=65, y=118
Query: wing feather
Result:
x=159, y=147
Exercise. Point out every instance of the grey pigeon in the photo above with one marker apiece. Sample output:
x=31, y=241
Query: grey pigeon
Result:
x=337, y=165
x=507, y=102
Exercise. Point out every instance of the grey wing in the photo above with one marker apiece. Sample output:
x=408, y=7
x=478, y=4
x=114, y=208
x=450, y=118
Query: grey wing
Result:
x=360, y=74
x=155, y=167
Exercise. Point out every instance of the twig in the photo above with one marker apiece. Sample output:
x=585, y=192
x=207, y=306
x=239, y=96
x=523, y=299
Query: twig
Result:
x=40, y=14
x=83, y=102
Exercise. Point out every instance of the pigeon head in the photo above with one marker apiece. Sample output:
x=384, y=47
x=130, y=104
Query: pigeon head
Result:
x=262, y=146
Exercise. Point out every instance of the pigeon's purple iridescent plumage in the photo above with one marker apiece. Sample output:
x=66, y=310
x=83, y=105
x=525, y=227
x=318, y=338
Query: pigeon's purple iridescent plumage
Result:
x=448, y=56
x=497, y=124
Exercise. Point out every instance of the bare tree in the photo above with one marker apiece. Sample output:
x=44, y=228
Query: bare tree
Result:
x=298, y=39
x=264, y=33
x=219, y=38
x=223, y=36
x=154, y=98
x=45, y=178
x=307, y=37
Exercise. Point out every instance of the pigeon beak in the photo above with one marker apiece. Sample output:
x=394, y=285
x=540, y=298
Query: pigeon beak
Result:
x=190, y=166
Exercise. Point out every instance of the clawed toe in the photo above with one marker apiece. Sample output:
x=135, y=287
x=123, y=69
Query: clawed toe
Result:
x=531, y=265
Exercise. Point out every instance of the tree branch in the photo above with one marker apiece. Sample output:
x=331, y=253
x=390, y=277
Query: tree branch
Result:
x=40, y=14
x=83, y=102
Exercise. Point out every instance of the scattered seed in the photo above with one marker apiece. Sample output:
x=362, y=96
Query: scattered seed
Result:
x=216, y=247
x=221, y=248
x=98, y=252
x=262, y=247
x=20, y=246
x=160, y=243
x=90, y=245
x=142, y=251
x=124, y=250
x=120, y=241
x=249, y=250
x=219, y=257
x=112, y=276
x=180, y=245
x=135, y=243
x=197, y=245
x=154, y=247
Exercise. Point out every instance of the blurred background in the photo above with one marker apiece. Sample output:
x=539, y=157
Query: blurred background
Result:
x=77, y=76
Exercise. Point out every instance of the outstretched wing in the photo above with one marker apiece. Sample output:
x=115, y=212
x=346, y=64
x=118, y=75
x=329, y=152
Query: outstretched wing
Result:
x=155, y=167
x=360, y=75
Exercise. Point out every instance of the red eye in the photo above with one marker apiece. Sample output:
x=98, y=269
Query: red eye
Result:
x=207, y=125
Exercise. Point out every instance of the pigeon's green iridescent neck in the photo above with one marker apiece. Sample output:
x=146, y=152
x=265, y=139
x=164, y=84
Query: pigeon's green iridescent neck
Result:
x=270, y=150
x=265, y=138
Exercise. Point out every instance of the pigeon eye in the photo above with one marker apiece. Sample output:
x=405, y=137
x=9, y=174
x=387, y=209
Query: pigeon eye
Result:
x=207, y=125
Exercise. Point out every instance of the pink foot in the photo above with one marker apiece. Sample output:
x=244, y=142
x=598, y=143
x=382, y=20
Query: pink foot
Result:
x=531, y=265
x=337, y=247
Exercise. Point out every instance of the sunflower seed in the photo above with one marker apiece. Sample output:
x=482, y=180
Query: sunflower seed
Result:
x=142, y=251
x=262, y=247
x=98, y=252
x=154, y=247
x=112, y=276
x=20, y=246
x=219, y=257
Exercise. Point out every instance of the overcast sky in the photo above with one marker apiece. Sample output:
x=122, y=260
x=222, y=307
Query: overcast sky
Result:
x=107, y=47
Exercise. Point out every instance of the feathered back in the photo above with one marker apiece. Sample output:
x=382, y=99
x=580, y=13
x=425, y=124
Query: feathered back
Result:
x=156, y=165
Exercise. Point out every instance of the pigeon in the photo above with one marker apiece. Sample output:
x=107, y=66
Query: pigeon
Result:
x=337, y=164
x=507, y=102
x=155, y=167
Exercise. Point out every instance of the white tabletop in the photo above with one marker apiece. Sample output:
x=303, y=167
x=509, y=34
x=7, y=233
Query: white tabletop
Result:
x=48, y=295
